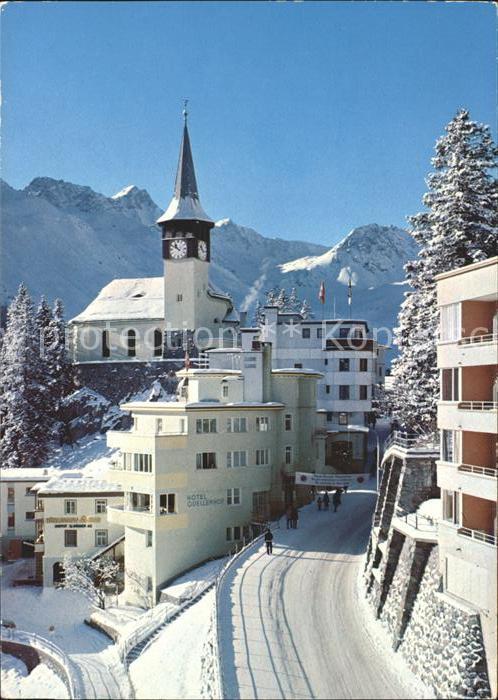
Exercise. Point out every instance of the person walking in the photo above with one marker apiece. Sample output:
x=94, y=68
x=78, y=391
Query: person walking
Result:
x=288, y=515
x=319, y=502
x=336, y=499
x=326, y=500
x=269, y=541
x=295, y=517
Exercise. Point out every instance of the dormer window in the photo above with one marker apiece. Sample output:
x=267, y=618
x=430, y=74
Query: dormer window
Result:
x=138, y=295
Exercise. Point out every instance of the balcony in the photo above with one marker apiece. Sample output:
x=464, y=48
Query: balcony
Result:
x=470, y=351
x=482, y=471
x=412, y=441
x=477, y=535
x=144, y=519
x=473, y=416
x=473, y=480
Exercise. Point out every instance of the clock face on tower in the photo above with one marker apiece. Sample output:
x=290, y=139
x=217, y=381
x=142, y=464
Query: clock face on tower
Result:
x=202, y=250
x=178, y=249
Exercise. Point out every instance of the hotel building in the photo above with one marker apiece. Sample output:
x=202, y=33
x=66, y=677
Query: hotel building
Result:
x=351, y=364
x=197, y=472
x=467, y=418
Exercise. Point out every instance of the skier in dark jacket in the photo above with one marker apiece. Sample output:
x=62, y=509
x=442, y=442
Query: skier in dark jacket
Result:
x=295, y=517
x=326, y=500
x=336, y=499
x=269, y=541
x=319, y=502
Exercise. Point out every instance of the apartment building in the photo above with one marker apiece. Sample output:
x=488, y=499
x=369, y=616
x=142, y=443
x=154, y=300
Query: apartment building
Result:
x=198, y=472
x=71, y=520
x=352, y=364
x=17, y=511
x=467, y=419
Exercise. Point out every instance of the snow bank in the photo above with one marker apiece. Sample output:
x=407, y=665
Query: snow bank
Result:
x=42, y=682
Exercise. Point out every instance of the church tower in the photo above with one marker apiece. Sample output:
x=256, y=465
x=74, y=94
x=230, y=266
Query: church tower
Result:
x=189, y=303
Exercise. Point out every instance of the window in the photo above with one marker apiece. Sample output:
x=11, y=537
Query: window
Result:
x=325, y=362
x=298, y=365
x=236, y=532
x=233, y=497
x=206, y=460
x=237, y=425
x=250, y=362
x=344, y=332
x=262, y=457
x=451, y=507
x=70, y=538
x=288, y=454
x=448, y=451
x=141, y=502
x=363, y=364
x=229, y=534
x=363, y=392
x=179, y=297
x=329, y=416
x=237, y=459
x=70, y=507
x=101, y=505
x=159, y=426
x=101, y=538
x=11, y=494
x=106, y=350
x=148, y=538
x=142, y=462
x=11, y=520
x=306, y=333
x=28, y=491
x=344, y=365
x=449, y=384
x=205, y=425
x=288, y=421
x=158, y=343
x=319, y=332
x=262, y=424
x=343, y=392
x=343, y=418
x=224, y=391
x=450, y=323
x=29, y=515
x=167, y=503
x=358, y=333
x=327, y=388
x=131, y=343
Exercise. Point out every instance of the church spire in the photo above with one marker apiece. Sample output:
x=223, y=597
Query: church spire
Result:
x=185, y=204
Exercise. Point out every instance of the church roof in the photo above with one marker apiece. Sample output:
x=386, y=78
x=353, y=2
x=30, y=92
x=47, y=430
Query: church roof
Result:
x=124, y=299
x=185, y=204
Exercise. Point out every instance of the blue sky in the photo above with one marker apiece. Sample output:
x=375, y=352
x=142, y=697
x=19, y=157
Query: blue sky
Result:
x=306, y=118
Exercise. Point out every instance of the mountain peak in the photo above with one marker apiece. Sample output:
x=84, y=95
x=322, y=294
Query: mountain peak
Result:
x=125, y=191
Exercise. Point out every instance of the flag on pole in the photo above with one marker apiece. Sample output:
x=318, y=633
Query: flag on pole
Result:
x=187, y=361
x=321, y=293
x=350, y=292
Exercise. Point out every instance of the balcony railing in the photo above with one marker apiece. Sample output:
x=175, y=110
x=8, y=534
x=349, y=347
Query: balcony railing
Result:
x=478, y=535
x=474, y=469
x=407, y=440
x=478, y=405
x=472, y=339
x=417, y=521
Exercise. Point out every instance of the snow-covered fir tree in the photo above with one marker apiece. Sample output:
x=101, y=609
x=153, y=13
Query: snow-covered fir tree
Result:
x=90, y=577
x=458, y=227
x=290, y=303
x=305, y=310
x=24, y=436
x=57, y=359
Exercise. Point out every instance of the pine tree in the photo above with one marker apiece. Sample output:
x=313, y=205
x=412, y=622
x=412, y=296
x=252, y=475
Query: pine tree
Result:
x=57, y=358
x=258, y=317
x=24, y=438
x=458, y=227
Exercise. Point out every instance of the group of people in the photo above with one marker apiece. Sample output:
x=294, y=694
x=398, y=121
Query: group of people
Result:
x=292, y=515
x=323, y=502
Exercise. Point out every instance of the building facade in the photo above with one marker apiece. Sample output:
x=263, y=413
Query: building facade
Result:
x=143, y=319
x=467, y=420
x=71, y=520
x=198, y=472
x=17, y=510
x=351, y=363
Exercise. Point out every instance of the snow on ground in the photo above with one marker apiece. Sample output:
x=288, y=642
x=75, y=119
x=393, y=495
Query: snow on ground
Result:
x=171, y=666
x=37, y=610
x=42, y=682
x=193, y=582
x=291, y=624
x=90, y=455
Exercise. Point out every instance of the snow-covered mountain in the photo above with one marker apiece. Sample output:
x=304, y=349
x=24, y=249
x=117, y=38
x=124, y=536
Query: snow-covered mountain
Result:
x=69, y=241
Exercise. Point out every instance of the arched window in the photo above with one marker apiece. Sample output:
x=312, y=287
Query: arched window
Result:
x=158, y=343
x=106, y=352
x=131, y=343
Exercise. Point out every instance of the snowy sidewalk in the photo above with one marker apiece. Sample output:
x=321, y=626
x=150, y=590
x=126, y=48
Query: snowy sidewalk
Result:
x=289, y=623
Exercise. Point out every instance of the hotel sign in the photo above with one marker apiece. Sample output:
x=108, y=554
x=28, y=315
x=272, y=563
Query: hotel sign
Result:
x=197, y=500
x=73, y=519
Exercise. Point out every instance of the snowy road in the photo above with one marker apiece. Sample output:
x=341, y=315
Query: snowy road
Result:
x=290, y=623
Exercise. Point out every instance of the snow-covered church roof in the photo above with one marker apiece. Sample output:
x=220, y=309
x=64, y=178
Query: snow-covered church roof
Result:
x=185, y=204
x=124, y=299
